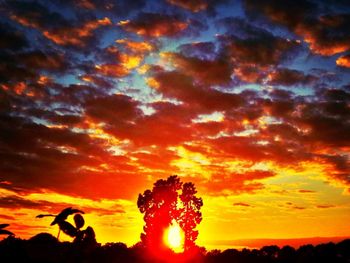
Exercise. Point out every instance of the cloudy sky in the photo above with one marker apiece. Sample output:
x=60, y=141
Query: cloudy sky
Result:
x=247, y=99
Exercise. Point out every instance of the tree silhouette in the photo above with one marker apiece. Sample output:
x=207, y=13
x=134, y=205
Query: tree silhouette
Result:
x=169, y=200
x=4, y=231
x=190, y=215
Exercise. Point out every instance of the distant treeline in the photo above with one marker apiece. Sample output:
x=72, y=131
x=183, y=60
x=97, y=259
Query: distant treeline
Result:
x=45, y=248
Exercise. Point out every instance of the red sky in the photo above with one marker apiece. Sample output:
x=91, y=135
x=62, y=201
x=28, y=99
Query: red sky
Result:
x=247, y=99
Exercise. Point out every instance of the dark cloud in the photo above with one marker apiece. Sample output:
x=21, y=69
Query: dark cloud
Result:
x=16, y=202
x=290, y=12
x=76, y=36
x=324, y=128
x=122, y=7
x=254, y=51
x=326, y=33
x=155, y=25
x=289, y=77
x=143, y=132
x=29, y=150
x=207, y=72
x=33, y=14
x=12, y=38
x=200, y=50
x=248, y=148
x=175, y=84
x=113, y=110
x=260, y=51
x=209, y=6
x=29, y=65
x=193, y=5
x=53, y=25
x=96, y=96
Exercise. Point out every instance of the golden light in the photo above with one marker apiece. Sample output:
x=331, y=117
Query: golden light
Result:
x=174, y=237
x=131, y=62
x=343, y=61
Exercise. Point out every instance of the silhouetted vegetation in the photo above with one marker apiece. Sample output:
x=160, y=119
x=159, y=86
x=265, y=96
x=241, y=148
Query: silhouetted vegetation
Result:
x=83, y=237
x=170, y=200
x=46, y=248
x=66, y=227
x=4, y=231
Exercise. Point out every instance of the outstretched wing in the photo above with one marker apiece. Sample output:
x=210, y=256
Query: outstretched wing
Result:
x=64, y=214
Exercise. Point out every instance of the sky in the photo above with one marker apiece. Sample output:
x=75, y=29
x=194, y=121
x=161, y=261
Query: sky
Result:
x=248, y=99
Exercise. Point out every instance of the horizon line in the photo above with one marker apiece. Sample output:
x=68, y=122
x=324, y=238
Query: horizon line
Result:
x=252, y=243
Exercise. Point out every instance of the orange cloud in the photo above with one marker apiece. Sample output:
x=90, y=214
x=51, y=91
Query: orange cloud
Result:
x=326, y=34
x=288, y=77
x=79, y=125
x=76, y=36
x=112, y=70
x=63, y=35
x=154, y=25
x=193, y=5
x=136, y=47
x=250, y=74
x=229, y=183
x=344, y=61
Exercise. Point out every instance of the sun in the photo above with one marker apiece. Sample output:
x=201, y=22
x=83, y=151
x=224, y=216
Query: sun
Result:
x=174, y=237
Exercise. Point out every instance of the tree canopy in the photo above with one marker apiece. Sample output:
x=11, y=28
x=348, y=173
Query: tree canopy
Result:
x=169, y=200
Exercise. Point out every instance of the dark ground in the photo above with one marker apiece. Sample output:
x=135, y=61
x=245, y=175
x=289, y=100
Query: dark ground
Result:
x=46, y=248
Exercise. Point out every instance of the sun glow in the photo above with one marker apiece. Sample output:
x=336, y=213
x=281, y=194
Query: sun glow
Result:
x=174, y=237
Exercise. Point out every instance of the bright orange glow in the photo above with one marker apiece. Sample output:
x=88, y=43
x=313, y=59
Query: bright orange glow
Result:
x=343, y=61
x=138, y=47
x=317, y=48
x=131, y=62
x=174, y=237
x=44, y=80
x=112, y=70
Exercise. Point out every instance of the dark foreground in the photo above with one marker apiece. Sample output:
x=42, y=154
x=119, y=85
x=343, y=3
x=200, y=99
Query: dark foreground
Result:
x=45, y=248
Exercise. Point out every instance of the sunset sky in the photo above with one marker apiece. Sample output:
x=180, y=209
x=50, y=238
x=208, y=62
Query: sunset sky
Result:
x=247, y=99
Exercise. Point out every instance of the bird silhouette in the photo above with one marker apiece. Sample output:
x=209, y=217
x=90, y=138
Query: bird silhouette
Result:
x=61, y=217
